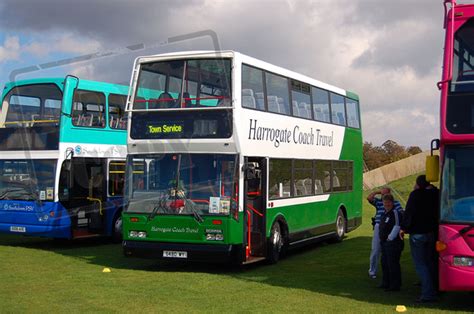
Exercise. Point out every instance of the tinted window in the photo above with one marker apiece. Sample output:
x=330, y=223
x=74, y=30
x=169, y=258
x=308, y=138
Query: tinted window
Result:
x=280, y=179
x=88, y=109
x=300, y=99
x=338, y=115
x=117, y=115
x=321, y=105
x=342, y=175
x=352, y=108
x=323, y=176
x=252, y=88
x=277, y=93
x=303, y=177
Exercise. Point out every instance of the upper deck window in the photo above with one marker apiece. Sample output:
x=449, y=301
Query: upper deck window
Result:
x=338, y=114
x=463, y=59
x=277, y=93
x=29, y=118
x=88, y=109
x=117, y=115
x=301, y=99
x=31, y=105
x=252, y=88
x=321, y=105
x=190, y=83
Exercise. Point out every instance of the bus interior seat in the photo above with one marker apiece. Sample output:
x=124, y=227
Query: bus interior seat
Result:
x=248, y=99
x=318, y=114
x=282, y=105
x=165, y=100
x=260, y=100
x=318, y=187
x=273, y=104
x=304, y=112
x=308, y=186
x=300, y=188
x=187, y=100
x=341, y=118
x=122, y=123
x=296, y=111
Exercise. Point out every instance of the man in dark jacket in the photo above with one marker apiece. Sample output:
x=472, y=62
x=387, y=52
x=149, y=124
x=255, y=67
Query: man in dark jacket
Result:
x=421, y=222
x=392, y=245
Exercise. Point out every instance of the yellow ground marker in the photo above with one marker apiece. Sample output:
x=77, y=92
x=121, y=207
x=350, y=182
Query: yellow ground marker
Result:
x=401, y=308
x=106, y=270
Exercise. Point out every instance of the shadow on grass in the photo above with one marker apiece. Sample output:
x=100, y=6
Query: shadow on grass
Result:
x=335, y=269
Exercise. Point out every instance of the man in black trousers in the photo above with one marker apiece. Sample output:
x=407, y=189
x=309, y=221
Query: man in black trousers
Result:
x=392, y=245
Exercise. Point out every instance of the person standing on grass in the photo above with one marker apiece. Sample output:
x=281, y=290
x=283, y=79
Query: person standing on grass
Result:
x=392, y=245
x=421, y=222
x=379, y=210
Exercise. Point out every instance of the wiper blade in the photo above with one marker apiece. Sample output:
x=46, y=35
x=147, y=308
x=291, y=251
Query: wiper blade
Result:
x=195, y=213
x=17, y=192
x=155, y=209
x=466, y=229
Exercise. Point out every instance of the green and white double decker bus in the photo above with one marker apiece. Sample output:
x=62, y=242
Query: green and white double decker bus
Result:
x=233, y=159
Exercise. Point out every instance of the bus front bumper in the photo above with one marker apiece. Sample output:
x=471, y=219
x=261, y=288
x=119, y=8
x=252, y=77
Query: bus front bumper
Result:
x=182, y=251
x=455, y=278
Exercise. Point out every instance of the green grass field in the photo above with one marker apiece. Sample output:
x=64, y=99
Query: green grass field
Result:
x=38, y=275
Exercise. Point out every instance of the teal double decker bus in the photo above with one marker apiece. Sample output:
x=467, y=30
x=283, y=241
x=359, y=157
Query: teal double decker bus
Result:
x=62, y=157
x=233, y=159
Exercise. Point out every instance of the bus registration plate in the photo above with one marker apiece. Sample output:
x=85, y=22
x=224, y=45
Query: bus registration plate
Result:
x=17, y=229
x=175, y=254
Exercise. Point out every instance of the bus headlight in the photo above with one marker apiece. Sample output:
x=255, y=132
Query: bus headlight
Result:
x=463, y=261
x=214, y=237
x=137, y=234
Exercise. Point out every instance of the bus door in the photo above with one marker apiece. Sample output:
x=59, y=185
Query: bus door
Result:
x=88, y=197
x=254, y=208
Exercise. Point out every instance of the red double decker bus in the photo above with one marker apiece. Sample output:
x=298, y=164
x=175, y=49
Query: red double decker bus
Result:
x=455, y=243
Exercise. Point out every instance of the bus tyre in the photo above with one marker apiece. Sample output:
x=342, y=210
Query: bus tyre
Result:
x=117, y=229
x=340, y=226
x=275, y=243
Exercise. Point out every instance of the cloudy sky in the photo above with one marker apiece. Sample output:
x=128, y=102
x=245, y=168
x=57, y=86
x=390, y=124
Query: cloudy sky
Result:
x=388, y=52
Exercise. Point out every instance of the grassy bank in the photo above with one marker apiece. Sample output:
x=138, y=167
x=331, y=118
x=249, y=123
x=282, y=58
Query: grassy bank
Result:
x=39, y=275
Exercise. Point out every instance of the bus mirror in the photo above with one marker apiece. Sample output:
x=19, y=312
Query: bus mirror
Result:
x=432, y=168
x=251, y=172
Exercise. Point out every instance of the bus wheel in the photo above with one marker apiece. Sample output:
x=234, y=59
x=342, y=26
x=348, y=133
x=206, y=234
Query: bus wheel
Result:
x=275, y=243
x=117, y=229
x=340, y=226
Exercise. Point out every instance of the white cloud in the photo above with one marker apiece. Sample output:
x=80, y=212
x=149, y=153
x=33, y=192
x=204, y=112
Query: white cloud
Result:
x=63, y=43
x=10, y=50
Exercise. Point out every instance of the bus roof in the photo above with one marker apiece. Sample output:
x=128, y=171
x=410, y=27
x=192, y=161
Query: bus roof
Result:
x=89, y=84
x=246, y=59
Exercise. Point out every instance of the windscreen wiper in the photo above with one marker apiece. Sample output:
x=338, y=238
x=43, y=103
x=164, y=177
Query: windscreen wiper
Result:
x=466, y=229
x=5, y=195
x=156, y=208
x=195, y=213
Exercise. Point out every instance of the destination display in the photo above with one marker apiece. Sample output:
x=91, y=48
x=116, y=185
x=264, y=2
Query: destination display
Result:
x=185, y=124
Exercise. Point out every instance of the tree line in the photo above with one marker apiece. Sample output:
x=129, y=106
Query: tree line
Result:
x=388, y=152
